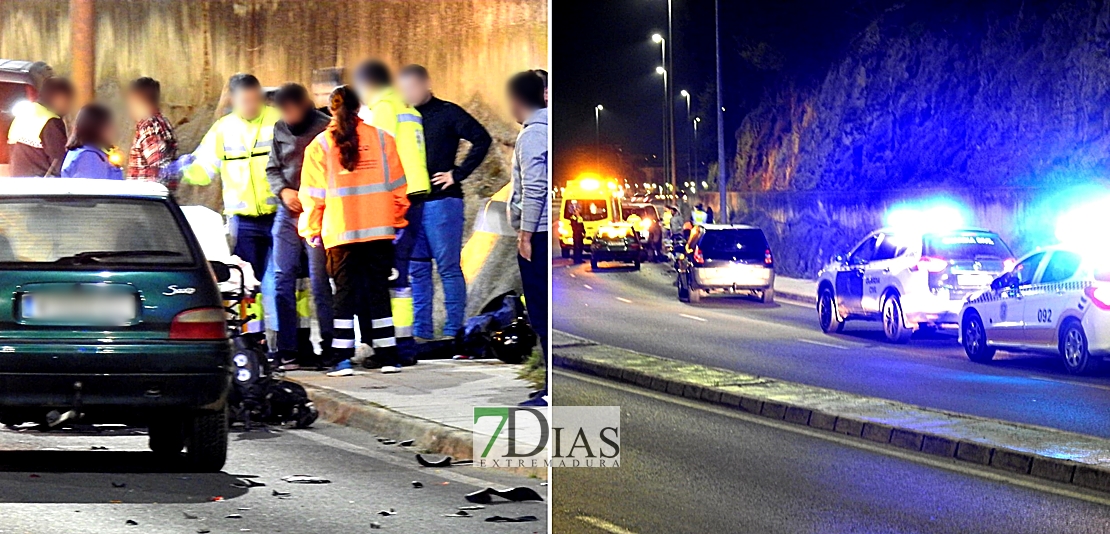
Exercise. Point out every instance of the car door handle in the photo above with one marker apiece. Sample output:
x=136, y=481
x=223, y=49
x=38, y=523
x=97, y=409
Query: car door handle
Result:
x=886, y=271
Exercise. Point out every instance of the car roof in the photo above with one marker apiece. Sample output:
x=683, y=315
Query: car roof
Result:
x=728, y=227
x=889, y=230
x=15, y=70
x=39, y=187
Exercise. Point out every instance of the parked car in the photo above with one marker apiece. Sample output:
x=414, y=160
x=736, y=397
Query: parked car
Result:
x=651, y=230
x=19, y=82
x=111, y=314
x=909, y=280
x=727, y=259
x=619, y=241
x=1054, y=301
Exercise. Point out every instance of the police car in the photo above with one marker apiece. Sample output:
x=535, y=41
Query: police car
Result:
x=909, y=279
x=1054, y=300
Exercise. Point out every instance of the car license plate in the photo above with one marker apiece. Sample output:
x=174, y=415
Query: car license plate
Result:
x=94, y=307
x=973, y=279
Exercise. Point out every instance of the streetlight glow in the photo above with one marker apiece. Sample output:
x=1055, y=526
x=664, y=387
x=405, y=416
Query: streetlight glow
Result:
x=657, y=38
x=684, y=93
x=660, y=70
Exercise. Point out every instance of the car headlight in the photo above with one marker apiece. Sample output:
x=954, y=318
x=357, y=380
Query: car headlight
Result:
x=240, y=360
x=243, y=375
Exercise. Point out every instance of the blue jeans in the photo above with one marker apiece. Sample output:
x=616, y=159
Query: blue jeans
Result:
x=254, y=243
x=439, y=239
x=291, y=254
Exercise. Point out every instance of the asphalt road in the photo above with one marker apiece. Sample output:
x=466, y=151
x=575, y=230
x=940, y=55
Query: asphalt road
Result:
x=56, y=483
x=690, y=468
x=640, y=311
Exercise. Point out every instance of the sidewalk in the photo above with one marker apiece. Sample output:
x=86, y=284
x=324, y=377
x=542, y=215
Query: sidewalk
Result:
x=431, y=402
x=796, y=289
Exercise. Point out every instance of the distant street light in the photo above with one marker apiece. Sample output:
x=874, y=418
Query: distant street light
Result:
x=668, y=155
x=597, y=129
x=689, y=166
x=696, y=121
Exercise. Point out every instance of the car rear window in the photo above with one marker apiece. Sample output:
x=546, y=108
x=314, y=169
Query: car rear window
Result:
x=733, y=244
x=644, y=212
x=966, y=246
x=91, y=231
x=591, y=210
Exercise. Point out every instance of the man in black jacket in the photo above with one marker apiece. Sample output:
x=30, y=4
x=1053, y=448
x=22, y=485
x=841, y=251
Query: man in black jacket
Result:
x=440, y=237
x=300, y=123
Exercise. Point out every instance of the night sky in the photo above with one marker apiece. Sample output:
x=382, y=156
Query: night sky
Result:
x=603, y=53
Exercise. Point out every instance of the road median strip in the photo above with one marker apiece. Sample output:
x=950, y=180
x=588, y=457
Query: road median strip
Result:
x=1045, y=453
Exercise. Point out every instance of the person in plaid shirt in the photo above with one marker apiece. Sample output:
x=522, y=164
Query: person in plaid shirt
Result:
x=154, y=147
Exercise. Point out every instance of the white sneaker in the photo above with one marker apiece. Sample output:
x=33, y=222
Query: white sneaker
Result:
x=389, y=369
x=343, y=368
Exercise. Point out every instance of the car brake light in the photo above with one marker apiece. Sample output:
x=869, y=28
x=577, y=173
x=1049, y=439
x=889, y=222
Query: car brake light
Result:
x=203, y=323
x=1100, y=295
x=1008, y=264
x=767, y=258
x=698, y=257
x=932, y=265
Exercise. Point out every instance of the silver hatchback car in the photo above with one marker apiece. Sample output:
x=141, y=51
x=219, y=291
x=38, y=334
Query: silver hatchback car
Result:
x=730, y=259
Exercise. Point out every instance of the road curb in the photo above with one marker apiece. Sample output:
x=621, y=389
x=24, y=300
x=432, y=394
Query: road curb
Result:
x=795, y=297
x=1070, y=458
x=428, y=435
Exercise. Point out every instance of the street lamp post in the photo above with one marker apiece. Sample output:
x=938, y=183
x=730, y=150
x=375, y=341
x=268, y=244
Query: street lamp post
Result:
x=722, y=171
x=597, y=130
x=689, y=165
x=696, y=121
x=668, y=155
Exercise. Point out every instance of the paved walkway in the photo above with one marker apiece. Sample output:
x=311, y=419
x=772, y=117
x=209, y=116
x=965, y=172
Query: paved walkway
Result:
x=441, y=391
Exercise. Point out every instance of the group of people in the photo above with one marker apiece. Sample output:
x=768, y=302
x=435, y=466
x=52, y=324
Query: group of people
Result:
x=353, y=185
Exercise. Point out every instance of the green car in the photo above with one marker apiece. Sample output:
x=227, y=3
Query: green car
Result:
x=109, y=313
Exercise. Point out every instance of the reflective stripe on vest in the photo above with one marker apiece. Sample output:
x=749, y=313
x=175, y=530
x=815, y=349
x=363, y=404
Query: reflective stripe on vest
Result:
x=409, y=117
x=363, y=233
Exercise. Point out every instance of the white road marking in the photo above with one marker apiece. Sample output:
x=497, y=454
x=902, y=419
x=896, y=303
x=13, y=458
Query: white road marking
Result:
x=1069, y=382
x=624, y=300
x=694, y=317
x=603, y=525
x=793, y=303
x=823, y=344
x=572, y=275
x=917, y=457
x=587, y=286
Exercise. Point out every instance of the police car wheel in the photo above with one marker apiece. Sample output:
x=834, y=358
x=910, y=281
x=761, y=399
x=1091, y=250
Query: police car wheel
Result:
x=975, y=339
x=829, y=320
x=894, y=325
x=1073, y=347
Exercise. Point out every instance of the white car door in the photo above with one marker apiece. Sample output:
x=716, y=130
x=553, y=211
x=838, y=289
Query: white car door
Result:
x=1048, y=297
x=1006, y=323
x=877, y=273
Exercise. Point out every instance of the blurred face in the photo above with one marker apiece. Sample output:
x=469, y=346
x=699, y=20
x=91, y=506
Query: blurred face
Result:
x=414, y=89
x=137, y=107
x=292, y=113
x=247, y=103
x=61, y=105
x=517, y=109
x=321, y=94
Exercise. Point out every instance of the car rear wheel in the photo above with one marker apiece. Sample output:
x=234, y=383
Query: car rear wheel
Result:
x=1073, y=347
x=695, y=293
x=206, y=446
x=975, y=339
x=767, y=296
x=894, y=323
x=826, y=313
x=167, y=435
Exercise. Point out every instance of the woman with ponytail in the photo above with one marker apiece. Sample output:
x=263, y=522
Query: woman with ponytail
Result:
x=354, y=198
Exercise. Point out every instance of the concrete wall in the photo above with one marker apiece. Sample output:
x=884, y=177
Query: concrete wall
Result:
x=471, y=47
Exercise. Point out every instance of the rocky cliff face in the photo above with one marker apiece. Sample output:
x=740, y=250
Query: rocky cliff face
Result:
x=945, y=94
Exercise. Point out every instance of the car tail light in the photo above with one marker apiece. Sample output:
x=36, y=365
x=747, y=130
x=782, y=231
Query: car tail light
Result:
x=931, y=265
x=1008, y=264
x=203, y=323
x=768, y=259
x=563, y=230
x=1100, y=295
x=698, y=256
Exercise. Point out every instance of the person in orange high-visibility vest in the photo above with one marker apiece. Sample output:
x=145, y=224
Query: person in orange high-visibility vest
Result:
x=353, y=192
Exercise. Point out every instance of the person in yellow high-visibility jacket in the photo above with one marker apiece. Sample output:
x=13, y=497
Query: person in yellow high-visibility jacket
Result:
x=385, y=109
x=236, y=149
